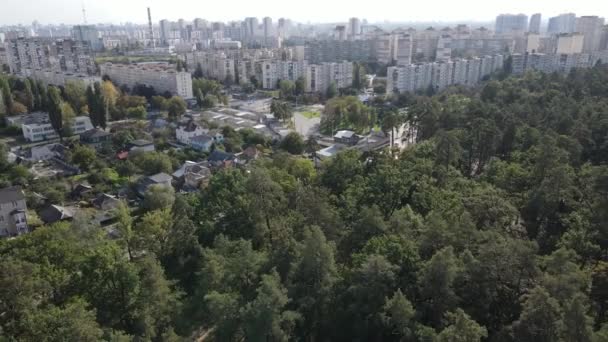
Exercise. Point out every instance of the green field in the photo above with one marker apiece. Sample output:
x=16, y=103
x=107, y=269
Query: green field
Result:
x=311, y=114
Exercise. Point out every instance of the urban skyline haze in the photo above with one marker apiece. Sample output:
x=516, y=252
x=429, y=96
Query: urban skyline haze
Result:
x=113, y=11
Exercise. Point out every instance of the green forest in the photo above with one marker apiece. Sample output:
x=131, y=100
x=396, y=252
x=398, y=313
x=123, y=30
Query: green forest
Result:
x=493, y=227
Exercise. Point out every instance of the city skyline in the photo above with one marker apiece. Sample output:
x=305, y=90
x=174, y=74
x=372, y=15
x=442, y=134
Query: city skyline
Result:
x=44, y=12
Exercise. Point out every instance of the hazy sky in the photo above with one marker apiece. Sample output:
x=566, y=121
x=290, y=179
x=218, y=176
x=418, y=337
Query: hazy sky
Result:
x=120, y=11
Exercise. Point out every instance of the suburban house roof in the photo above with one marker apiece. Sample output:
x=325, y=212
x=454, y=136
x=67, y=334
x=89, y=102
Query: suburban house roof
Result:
x=202, y=139
x=189, y=126
x=160, y=178
x=10, y=194
x=94, y=133
x=345, y=134
x=140, y=142
x=102, y=199
x=54, y=213
x=190, y=166
x=81, y=189
x=220, y=156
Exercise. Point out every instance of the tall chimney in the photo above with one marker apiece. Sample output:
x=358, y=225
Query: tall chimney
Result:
x=150, y=28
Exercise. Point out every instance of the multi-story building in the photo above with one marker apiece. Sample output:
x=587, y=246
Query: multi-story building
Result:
x=591, y=28
x=88, y=34
x=275, y=71
x=161, y=76
x=534, y=26
x=403, y=49
x=59, y=78
x=385, y=48
x=563, y=23
x=439, y=75
x=444, y=48
x=12, y=212
x=509, y=23
x=569, y=43
x=47, y=54
x=268, y=30
x=37, y=126
x=214, y=65
x=354, y=28
x=319, y=51
x=320, y=76
x=556, y=62
x=442, y=74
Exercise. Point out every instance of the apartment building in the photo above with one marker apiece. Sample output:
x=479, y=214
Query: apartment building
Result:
x=444, y=48
x=534, y=26
x=275, y=70
x=403, y=48
x=556, y=62
x=64, y=55
x=319, y=51
x=509, y=23
x=591, y=28
x=320, y=76
x=12, y=212
x=59, y=78
x=563, y=23
x=441, y=74
x=569, y=43
x=161, y=76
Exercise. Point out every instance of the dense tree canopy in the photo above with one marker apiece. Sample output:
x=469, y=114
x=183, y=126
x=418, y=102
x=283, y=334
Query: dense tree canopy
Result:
x=492, y=227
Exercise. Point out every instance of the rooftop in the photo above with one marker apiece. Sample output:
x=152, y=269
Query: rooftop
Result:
x=141, y=142
x=12, y=193
x=345, y=134
x=160, y=178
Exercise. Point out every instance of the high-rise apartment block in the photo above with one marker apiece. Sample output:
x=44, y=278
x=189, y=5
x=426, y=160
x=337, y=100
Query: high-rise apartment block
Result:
x=439, y=75
x=403, y=49
x=591, y=28
x=61, y=55
x=88, y=34
x=569, y=43
x=160, y=76
x=509, y=23
x=320, y=76
x=534, y=26
x=556, y=62
x=354, y=28
x=563, y=23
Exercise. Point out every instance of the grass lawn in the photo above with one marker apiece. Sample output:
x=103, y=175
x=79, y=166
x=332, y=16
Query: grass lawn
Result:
x=311, y=115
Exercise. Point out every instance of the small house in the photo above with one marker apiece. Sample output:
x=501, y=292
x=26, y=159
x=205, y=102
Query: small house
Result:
x=56, y=213
x=95, y=137
x=202, y=143
x=105, y=202
x=185, y=132
x=346, y=137
x=157, y=179
x=220, y=159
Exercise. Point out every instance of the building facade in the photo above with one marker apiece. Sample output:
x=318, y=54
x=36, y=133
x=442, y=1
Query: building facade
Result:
x=591, y=28
x=37, y=127
x=442, y=74
x=509, y=23
x=160, y=76
x=13, y=220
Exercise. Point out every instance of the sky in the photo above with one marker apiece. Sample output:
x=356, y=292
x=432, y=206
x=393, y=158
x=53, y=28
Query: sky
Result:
x=120, y=11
